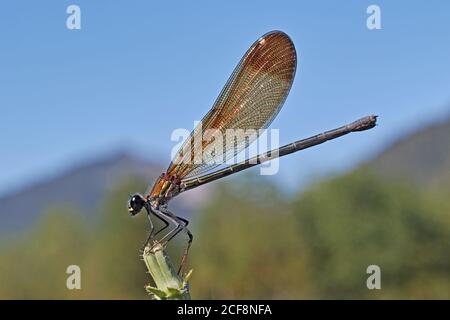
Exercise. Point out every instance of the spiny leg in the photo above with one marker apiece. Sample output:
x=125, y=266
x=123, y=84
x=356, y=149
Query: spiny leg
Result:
x=152, y=228
x=167, y=217
x=182, y=224
x=183, y=262
x=166, y=224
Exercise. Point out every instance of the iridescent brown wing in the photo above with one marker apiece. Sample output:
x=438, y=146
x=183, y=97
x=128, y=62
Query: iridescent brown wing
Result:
x=251, y=98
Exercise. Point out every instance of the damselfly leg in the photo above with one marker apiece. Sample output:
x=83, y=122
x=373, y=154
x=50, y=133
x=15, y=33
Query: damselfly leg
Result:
x=180, y=224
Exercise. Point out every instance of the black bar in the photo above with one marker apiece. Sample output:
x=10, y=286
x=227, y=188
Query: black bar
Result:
x=226, y=309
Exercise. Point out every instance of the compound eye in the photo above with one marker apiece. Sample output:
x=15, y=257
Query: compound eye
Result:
x=135, y=204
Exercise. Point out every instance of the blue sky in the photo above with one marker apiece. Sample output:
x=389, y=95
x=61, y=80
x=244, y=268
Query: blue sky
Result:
x=139, y=69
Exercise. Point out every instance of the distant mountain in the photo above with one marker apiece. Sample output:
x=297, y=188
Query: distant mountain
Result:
x=423, y=157
x=83, y=187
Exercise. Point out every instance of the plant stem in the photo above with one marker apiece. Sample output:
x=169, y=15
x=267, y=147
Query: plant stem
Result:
x=169, y=285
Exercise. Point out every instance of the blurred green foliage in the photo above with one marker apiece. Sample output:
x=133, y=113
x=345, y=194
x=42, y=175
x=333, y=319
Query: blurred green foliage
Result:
x=250, y=242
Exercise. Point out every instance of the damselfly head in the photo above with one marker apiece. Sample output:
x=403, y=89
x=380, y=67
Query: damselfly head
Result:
x=135, y=204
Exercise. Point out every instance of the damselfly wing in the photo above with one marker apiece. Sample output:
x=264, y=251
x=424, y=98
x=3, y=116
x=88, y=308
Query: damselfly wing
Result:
x=251, y=98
